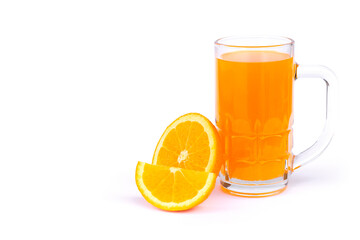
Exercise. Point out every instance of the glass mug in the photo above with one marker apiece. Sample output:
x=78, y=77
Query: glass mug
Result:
x=254, y=113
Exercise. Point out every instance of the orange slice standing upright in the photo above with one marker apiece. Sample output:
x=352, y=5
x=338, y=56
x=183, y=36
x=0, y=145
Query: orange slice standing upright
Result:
x=190, y=142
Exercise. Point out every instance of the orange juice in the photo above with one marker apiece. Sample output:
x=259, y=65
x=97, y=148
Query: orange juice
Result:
x=254, y=113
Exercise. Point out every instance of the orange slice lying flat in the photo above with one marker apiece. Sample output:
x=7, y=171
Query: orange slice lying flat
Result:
x=173, y=189
x=190, y=142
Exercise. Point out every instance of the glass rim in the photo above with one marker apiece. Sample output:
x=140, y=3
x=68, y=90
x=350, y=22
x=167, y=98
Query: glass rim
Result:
x=283, y=41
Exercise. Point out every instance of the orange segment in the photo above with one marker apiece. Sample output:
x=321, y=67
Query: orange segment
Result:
x=190, y=142
x=173, y=189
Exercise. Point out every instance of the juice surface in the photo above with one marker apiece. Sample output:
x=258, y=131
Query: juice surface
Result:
x=254, y=113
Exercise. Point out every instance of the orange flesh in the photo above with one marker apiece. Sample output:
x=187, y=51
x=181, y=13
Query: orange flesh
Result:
x=173, y=189
x=186, y=146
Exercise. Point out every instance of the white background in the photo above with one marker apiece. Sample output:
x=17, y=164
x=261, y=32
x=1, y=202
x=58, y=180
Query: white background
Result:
x=87, y=88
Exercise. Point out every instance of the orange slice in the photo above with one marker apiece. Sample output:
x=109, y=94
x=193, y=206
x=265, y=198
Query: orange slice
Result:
x=190, y=142
x=173, y=189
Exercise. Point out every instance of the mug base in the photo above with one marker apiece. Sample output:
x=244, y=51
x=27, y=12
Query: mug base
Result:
x=253, y=189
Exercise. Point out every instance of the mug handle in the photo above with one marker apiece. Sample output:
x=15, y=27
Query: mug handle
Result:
x=314, y=71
